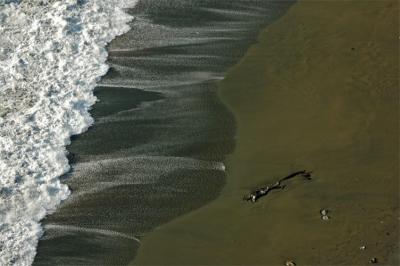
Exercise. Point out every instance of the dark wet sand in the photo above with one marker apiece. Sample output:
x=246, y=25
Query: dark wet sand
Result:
x=318, y=92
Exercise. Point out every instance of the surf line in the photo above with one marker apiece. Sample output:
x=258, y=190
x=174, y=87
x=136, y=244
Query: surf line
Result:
x=78, y=229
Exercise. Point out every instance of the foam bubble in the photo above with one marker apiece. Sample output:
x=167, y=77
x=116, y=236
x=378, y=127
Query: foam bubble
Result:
x=52, y=53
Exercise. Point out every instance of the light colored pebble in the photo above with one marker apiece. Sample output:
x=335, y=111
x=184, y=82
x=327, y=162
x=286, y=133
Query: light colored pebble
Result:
x=373, y=260
x=290, y=263
x=324, y=212
x=325, y=217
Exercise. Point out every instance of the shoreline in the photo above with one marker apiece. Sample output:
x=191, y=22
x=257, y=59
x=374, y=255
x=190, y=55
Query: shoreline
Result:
x=160, y=134
x=317, y=92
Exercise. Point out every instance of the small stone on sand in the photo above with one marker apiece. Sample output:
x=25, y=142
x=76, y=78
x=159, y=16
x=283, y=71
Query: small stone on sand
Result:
x=290, y=263
x=324, y=212
x=373, y=260
x=325, y=217
x=363, y=248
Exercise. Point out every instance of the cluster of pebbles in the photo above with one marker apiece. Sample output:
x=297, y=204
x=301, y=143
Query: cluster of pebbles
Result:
x=324, y=214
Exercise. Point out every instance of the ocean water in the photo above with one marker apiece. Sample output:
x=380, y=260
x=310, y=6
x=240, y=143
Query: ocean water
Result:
x=155, y=133
x=52, y=53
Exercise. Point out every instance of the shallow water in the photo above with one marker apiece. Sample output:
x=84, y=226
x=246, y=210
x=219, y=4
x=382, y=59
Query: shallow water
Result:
x=160, y=132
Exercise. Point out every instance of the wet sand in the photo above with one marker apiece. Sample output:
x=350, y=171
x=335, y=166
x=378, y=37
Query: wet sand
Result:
x=319, y=91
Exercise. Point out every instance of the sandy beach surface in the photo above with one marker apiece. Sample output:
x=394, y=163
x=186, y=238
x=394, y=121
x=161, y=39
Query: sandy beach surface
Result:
x=319, y=91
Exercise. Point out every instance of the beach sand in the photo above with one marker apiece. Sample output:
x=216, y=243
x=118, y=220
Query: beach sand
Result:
x=319, y=91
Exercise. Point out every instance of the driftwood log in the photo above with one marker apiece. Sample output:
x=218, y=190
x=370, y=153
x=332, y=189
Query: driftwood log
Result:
x=253, y=196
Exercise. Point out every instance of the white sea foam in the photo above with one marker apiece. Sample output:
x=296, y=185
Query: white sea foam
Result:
x=52, y=53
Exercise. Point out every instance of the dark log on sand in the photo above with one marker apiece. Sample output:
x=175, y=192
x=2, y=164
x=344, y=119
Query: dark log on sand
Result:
x=253, y=196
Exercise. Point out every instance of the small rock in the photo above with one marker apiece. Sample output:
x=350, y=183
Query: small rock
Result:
x=290, y=263
x=324, y=212
x=373, y=260
x=325, y=217
x=363, y=248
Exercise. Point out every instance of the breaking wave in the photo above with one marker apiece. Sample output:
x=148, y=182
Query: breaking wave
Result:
x=52, y=53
